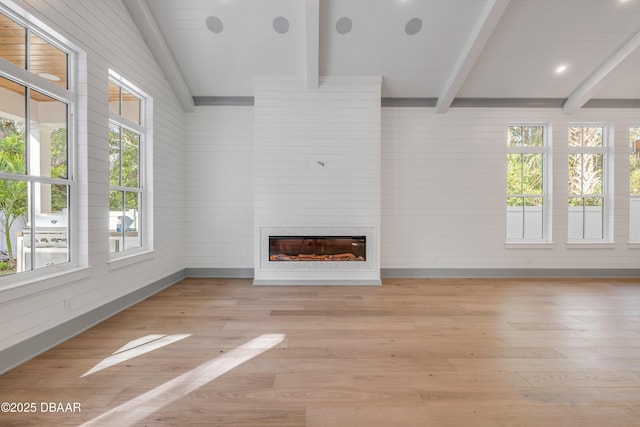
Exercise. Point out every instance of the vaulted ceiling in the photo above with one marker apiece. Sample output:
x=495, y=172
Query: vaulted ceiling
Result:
x=555, y=52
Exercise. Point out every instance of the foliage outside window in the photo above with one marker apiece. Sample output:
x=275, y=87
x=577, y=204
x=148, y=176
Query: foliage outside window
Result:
x=36, y=180
x=126, y=190
x=526, y=168
x=586, y=179
x=634, y=184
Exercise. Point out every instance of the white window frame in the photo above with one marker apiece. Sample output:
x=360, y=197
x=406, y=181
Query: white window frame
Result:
x=634, y=199
x=607, y=191
x=68, y=96
x=545, y=150
x=143, y=129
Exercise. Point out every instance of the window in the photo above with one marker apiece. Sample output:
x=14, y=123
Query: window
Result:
x=126, y=154
x=527, y=218
x=587, y=176
x=634, y=184
x=37, y=183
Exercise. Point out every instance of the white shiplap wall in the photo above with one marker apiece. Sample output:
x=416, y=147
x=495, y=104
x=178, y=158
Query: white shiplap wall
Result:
x=219, y=187
x=317, y=154
x=106, y=34
x=444, y=185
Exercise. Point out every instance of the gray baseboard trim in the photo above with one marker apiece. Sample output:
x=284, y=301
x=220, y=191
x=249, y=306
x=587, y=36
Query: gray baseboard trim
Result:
x=220, y=273
x=417, y=273
x=31, y=347
x=389, y=273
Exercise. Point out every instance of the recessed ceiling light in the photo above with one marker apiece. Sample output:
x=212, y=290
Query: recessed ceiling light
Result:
x=49, y=76
x=560, y=69
x=281, y=25
x=344, y=25
x=413, y=27
x=214, y=24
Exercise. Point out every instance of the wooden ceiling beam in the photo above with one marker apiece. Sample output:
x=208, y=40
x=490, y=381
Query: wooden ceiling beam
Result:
x=583, y=93
x=147, y=25
x=486, y=24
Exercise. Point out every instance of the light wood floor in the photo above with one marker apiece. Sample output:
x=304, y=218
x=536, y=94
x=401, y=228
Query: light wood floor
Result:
x=409, y=353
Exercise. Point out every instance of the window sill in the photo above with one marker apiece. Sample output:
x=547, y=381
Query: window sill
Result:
x=129, y=260
x=591, y=245
x=634, y=245
x=529, y=245
x=21, y=286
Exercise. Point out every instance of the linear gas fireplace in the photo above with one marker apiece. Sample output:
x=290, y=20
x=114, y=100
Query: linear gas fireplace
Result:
x=317, y=255
x=317, y=248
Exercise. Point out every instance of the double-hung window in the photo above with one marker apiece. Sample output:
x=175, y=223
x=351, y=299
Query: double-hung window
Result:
x=634, y=184
x=587, y=175
x=37, y=175
x=527, y=199
x=127, y=193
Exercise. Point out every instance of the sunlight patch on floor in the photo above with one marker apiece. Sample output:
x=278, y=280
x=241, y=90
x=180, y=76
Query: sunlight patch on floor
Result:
x=136, y=348
x=140, y=407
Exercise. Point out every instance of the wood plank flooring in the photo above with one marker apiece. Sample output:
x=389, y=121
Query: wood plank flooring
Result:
x=427, y=352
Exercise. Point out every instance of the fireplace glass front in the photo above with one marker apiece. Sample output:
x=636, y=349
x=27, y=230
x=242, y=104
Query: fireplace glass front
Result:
x=317, y=248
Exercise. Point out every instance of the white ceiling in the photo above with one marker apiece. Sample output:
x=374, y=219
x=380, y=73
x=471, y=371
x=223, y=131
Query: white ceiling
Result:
x=464, y=49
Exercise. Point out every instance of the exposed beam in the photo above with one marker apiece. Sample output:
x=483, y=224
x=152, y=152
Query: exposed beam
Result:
x=486, y=24
x=583, y=93
x=147, y=25
x=312, y=39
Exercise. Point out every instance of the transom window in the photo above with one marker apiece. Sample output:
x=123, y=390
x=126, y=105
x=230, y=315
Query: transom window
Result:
x=37, y=184
x=526, y=183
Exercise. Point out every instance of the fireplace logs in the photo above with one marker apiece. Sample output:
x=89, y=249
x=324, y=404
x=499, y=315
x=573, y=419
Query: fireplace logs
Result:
x=317, y=248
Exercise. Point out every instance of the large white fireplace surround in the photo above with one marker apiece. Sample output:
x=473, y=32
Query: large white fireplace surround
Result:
x=317, y=172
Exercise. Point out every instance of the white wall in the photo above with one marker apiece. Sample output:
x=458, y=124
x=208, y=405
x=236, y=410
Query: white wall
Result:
x=219, y=187
x=105, y=31
x=443, y=187
x=297, y=131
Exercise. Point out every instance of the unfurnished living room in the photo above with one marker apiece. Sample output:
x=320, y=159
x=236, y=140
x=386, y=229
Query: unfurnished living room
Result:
x=320, y=213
